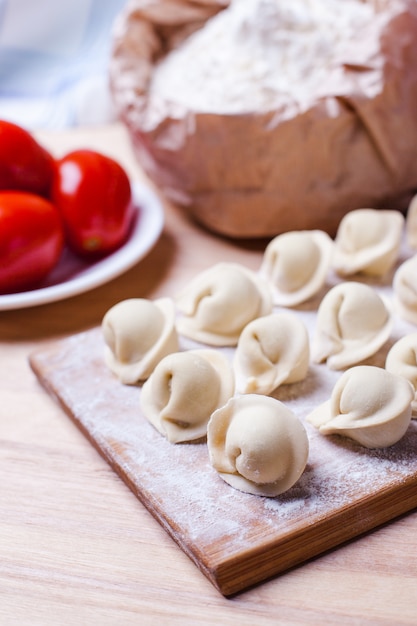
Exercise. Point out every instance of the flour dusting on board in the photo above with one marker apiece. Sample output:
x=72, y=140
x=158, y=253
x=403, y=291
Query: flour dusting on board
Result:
x=204, y=506
x=176, y=482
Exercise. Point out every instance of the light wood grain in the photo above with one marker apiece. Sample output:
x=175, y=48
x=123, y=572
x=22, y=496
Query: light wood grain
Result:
x=76, y=546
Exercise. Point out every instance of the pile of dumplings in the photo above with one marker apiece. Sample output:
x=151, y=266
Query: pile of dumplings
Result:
x=204, y=393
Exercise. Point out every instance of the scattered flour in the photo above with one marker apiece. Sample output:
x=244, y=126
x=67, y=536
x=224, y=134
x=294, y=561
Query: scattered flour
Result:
x=178, y=483
x=210, y=520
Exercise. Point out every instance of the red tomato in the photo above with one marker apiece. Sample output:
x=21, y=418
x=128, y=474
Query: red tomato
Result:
x=24, y=164
x=31, y=240
x=93, y=194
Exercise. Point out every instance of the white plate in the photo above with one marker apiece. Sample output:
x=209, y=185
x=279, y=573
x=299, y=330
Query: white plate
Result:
x=73, y=276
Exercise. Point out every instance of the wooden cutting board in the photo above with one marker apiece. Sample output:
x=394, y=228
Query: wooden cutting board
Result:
x=235, y=539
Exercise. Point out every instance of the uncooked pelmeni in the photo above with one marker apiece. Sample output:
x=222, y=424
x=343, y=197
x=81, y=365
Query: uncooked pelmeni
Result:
x=404, y=286
x=368, y=242
x=138, y=333
x=402, y=360
x=184, y=390
x=257, y=445
x=295, y=264
x=271, y=351
x=219, y=302
x=353, y=323
x=411, y=223
x=367, y=404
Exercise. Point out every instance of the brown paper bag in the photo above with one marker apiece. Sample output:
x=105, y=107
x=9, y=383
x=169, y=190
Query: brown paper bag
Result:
x=261, y=173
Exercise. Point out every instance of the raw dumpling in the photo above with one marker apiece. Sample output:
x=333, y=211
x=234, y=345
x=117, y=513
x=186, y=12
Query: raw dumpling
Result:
x=411, y=223
x=368, y=242
x=352, y=323
x=402, y=360
x=369, y=405
x=272, y=350
x=257, y=445
x=295, y=264
x=219, y=302
x=405, y=290
x=184, y=390
x=138, y=333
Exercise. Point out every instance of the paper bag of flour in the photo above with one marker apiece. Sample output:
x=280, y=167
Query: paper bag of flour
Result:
x=262, y=116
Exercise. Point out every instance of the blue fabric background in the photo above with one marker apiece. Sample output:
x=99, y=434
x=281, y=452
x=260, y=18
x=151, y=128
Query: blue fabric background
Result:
x=57, y=76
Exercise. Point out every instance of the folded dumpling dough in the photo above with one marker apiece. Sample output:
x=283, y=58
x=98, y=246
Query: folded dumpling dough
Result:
x=271, y=351
x=138, y=333
x=219, y=302
x=404, y=286
x=369, y=405
x=368, y=242
x=257, y=445
x=411, y=223
x=184, y=390
x=402, y=360
x=352, y=324
x=295, y=264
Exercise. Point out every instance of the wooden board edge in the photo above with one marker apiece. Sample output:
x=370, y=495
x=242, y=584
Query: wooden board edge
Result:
x=234, y=575
x=35, y=362
x=271, y=559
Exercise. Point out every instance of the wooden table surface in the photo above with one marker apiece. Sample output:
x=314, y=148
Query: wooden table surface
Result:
x=77, y=547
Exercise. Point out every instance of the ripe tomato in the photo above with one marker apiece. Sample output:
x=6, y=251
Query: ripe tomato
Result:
x=24, y=164
x=93, y=194
x=31, y=240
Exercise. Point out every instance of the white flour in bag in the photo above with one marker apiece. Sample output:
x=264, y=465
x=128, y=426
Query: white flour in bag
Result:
x=257, y=54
